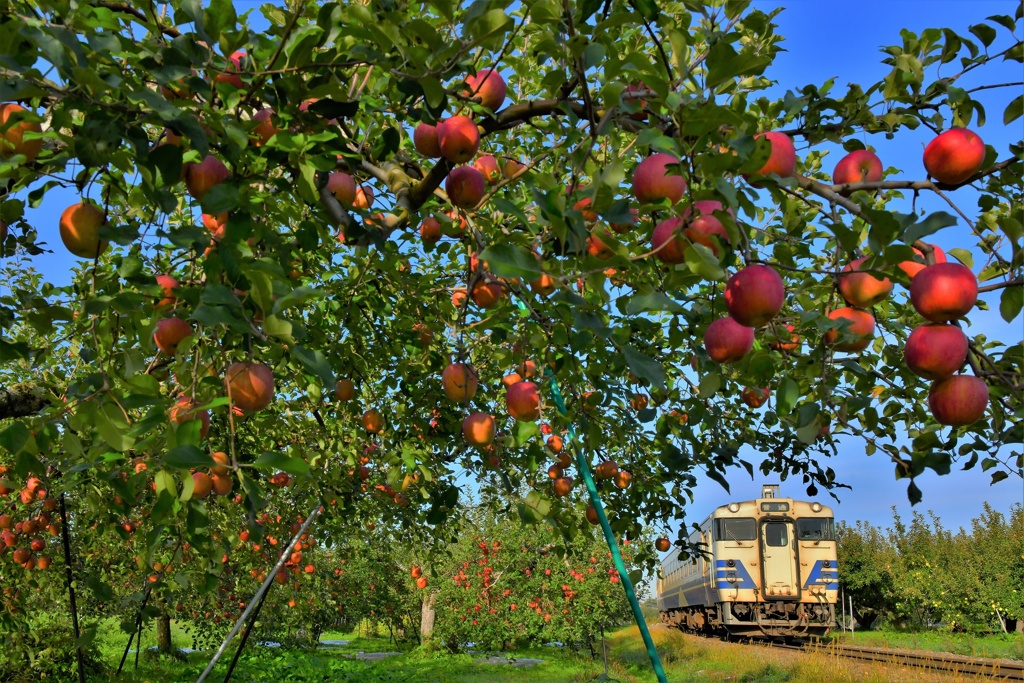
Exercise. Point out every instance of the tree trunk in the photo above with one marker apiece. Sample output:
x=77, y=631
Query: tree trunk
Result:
x=163, y=634
x=21, y=400
x=427, y=617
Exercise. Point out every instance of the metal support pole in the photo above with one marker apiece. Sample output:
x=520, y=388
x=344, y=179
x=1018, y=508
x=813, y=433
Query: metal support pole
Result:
x=259, y=594
x=245, y=636
x=138, y=628
x=71, y=587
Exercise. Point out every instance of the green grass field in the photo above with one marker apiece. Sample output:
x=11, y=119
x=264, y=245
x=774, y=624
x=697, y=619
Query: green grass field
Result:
x=686, y=659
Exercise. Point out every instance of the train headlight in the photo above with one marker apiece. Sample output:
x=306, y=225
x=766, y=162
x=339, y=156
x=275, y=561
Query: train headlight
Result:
x=816, y=507
x=730, y=563
x=827, y=563
x=735, y=507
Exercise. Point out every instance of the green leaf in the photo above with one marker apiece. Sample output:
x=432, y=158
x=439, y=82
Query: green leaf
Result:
x=14, y=438
x=1010, y=302
x=786, y=396
x=433, y=91
x=184, y=457
x=316, y=363
x=278, y=327
x=985, y=33
x=930, y=225
x=525, y=431
x=644, y=367
x=962, y=255
x=507, y=260
x=652, y=301
x=301, y=43
x=280, y=461
x=913, y=493
x=702, y=261
x=709, y=385
x=1014, y=110
x=539, y=503
x=164, y=481
x=112, y=428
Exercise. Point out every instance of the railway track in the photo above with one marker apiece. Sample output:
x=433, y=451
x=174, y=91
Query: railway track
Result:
x=997, y=669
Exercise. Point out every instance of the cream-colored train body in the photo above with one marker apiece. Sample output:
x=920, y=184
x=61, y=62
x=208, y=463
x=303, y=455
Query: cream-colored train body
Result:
x=771, y=571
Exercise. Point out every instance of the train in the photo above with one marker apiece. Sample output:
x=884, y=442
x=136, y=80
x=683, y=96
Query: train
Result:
x=767, y=567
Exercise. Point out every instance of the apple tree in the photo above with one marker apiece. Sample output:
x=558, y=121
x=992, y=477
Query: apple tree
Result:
x=353, y=248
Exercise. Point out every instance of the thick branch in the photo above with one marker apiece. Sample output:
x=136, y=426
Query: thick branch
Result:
x=21, y=400
x=126, y=8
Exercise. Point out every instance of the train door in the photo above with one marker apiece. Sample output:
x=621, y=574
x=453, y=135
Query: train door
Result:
x=778, y=560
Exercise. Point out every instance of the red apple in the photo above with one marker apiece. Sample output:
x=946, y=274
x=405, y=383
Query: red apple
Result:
x=230, y=75
x=478, y=429
x=459, y=381
x=861, y=288
x=488, y=166
x=424, y=139
x=80, y=230
x=264, y=128
x=249, y=385
x=596, y=246
x=14, y=125
x=912, y=268
x=430, y=230
x=489, y=87
x=652, y=181
x=667, y=242
x=511, y=168
x=755, y=398
x=343, y=187
x=782, y=161
x=458, y=138
x=202, y=485
x=184, y=411
x=727, y=341
x=860, y=166
x=523, y=401
x=486, y=292
x=789, y=333
x=954, y=156
x=217, y=224
x=202, y=177
x=465, y=187
x=345, y=390
x=169, y=333
x=935, y=351
x=862, y=325
x=167, y=286
x=755, y=295
x=958, y=400
x=701, y=229
x=944, y=292
x=364, y=198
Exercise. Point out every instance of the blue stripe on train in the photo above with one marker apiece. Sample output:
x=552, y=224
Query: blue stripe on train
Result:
x=732, y=577
x=821, y=575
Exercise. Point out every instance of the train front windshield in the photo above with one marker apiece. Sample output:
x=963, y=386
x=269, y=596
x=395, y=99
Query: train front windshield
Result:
x=735, y=529
x=814, y=529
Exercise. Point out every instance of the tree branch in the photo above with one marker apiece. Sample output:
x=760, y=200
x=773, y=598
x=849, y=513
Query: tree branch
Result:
x=21, y=400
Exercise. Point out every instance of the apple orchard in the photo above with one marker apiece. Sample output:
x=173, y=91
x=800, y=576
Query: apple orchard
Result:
x=343, y=260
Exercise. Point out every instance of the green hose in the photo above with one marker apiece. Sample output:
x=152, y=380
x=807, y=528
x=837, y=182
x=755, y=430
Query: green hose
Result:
x=613, y=546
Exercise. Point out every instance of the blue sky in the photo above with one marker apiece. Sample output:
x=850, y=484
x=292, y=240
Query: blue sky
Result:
x=827, y=39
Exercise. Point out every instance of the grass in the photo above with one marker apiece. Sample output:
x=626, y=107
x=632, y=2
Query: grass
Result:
x=686, y=659
x=1008, y=646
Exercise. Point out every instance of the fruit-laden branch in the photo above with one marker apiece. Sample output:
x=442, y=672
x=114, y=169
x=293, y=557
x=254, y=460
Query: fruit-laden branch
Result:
x=21, y=400
x=922, y=184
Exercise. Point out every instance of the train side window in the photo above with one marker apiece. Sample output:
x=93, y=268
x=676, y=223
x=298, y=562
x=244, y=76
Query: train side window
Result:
x=735, y=529
x=814, y=529
x=776, y=534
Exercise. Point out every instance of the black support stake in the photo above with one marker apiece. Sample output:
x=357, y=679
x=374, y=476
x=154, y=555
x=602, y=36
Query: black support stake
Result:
x=71, y=587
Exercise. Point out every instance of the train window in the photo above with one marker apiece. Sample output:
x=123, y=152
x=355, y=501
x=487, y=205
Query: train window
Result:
x=776, y=534
x=814, y=529
x=735, y=529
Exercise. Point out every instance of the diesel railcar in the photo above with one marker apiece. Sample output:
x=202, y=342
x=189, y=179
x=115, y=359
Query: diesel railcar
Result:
x=768, y=569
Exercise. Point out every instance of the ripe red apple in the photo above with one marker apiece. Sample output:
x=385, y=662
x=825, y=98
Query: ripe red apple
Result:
x=424, y=139
x=364, y=198
x=782, y=161
x=488, y=166
x=861, y=288
x=223, y=466
x=755, y=295
x=264, y=128
x=543, y=285
x=912, y=268
x=944, y=292
x=230, y=75
x=14, y=125
x=202, y=484
x=458, y=138
x=216, y=224
x=788, y=333
x=954, y=156
x=859, y=166
x=935, y=351
x=249, y=385
x=479, y=429
x=343, y=187
x=373, y=421
x=184, y=410
x=667, y=242
x=862, y=325
x=958, y=400
x=523, y=401
x=430, y=230
x=562, y=486
x=727, y=341
x=486, y=292
x=421, y=582
x=755, y=398
x=345, y=389
x=511, y=168
x=596, y=246
x=701, y=229
x=652, y=181
x=167, y=286
x=202, y=177
x=662, y=544
x=465, y=186
x=415, y=572
x=460, y=382
x=80, y=230
x=489, y=87
x=169, y=333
